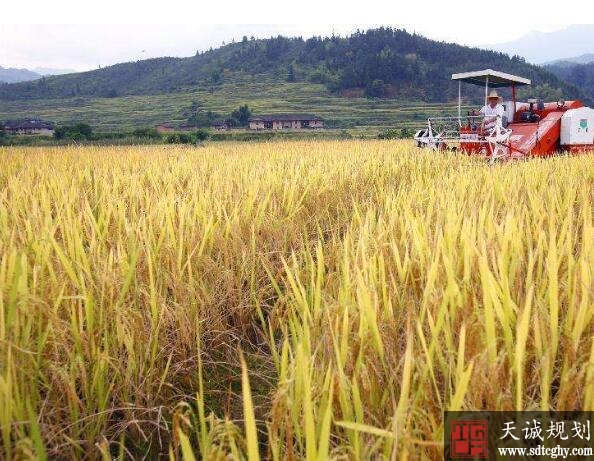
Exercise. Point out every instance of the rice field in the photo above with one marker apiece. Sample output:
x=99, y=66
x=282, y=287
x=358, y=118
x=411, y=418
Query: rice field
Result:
x=285, y=301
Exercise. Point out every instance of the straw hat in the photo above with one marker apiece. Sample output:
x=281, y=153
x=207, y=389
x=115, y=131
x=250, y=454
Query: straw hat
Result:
x=493, y=94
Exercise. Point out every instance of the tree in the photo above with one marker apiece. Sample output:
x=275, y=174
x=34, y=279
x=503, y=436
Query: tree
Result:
x=76, y=132
x=199, y=117
x=377, y=89
x=84, y=129
x=146, y=133
x=201, y=135
x=178, y=138
x=240, y=116
x=291, y=73
x=393, y=133
x=216, y=76
x=2, y=133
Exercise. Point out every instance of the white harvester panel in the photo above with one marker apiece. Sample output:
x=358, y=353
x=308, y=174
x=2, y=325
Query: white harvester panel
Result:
x=510, y=108
x=577, y=127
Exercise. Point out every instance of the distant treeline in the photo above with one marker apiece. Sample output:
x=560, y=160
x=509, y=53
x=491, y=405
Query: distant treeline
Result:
x=383, y=63
x=83, y=134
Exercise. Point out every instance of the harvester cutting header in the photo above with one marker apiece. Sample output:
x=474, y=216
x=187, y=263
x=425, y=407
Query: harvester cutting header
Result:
x=510, y=129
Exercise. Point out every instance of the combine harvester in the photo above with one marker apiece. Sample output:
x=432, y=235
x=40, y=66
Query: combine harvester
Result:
x=526, y=130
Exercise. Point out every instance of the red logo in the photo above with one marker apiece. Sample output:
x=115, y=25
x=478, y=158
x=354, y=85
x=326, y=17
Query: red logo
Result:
x=468, y=439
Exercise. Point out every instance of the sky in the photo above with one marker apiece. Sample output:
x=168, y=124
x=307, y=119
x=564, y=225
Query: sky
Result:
x=84, y=35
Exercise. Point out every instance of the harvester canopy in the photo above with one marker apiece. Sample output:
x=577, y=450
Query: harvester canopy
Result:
x=491, y=78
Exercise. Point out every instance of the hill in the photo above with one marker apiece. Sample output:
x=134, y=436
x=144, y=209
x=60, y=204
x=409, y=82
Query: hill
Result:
x=52, y=71
x=582, y=59
x=265, y=94
x=545, y=47
x=381, y=62
x=381, y=75
x=12, y=75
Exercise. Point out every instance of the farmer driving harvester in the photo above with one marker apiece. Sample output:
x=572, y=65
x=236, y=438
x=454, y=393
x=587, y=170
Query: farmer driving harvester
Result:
x=491, y=111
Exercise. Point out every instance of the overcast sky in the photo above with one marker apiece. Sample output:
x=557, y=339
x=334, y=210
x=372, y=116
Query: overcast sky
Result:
x=111, y=31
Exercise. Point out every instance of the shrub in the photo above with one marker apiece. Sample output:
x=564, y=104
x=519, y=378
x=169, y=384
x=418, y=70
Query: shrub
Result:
x=147, y=133
x=179, y=138
x=76, y=132
x=393, y=133
x=201, y=135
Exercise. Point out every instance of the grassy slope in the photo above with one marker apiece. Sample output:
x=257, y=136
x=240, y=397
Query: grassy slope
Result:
x=262, y=94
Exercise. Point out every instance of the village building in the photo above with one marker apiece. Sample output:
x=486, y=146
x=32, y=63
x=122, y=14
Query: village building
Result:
x=29, y=126
x=286, y=122
x=220, y=126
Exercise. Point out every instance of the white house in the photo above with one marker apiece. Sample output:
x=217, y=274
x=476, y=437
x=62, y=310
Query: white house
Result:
x=286, y=122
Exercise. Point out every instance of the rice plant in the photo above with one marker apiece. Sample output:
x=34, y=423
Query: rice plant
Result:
x=289, y=300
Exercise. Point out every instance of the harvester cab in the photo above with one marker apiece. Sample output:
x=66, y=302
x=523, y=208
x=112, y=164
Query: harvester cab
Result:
x=526, y=129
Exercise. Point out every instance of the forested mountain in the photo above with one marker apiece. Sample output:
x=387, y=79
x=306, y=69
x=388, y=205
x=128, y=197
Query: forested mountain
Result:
x=384, y=63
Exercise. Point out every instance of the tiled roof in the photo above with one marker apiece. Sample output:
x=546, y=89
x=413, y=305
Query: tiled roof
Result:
x=28, y=124
x=285, y=118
